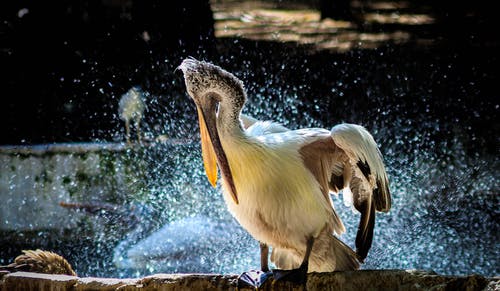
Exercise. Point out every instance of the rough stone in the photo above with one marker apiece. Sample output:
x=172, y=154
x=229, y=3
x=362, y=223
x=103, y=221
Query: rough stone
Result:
x=34, y=180
x=36, y=281
x=354, y=280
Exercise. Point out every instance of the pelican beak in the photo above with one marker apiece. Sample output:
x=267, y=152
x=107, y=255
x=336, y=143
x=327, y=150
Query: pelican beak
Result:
x=211, y=148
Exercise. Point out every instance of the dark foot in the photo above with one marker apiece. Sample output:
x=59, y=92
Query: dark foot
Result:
x=298, y=276
x=253, y=278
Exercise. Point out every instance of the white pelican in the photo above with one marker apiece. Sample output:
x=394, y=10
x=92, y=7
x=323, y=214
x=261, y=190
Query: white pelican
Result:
x=131, y=107
x=276, y=181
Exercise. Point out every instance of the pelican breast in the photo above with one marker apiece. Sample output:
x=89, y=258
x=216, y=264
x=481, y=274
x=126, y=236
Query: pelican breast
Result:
x=280, y=200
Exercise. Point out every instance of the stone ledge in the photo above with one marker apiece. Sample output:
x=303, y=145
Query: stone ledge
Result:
x=355, y=280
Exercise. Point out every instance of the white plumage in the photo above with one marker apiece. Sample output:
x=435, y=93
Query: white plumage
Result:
x=276, y=182
x=280, y=201
x=131, y=108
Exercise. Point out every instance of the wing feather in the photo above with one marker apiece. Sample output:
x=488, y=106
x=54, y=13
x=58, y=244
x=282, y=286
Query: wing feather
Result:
x=365, y=177
x=360, y=147
x=320, y=157
x=348, y=158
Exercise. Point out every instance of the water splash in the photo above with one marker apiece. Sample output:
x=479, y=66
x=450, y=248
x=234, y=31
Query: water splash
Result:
x=444, y=215
x=443, y=177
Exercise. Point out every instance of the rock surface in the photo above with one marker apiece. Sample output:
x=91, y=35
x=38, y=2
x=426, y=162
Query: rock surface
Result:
x=35, y=179
x=355, y=280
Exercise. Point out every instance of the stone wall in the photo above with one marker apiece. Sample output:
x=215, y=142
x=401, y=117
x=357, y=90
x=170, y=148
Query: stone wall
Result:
x=354, y=280
x=35, y=180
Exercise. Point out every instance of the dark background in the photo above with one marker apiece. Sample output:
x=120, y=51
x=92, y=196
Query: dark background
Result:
x=64, y=64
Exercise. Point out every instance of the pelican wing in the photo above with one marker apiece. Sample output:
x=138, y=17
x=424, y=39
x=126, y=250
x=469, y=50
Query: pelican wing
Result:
x=321, y=157
x=247, y=120
x=365, y=160
x=348, y=158
x=314, y=143
x=255, y=127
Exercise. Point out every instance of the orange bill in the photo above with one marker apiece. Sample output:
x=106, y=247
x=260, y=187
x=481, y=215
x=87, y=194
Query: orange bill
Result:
x=207, y=151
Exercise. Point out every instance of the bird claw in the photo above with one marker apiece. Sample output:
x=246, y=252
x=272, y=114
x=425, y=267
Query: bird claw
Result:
x=253, y=278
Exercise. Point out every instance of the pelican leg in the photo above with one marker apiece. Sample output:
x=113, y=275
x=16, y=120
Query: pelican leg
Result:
x=264, y=257
x=127, y=131
x=255, y=278
x=298, y=275
x=138, y=129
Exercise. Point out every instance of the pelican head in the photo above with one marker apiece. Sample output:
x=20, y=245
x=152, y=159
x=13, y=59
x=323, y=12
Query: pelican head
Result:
x=219, y=97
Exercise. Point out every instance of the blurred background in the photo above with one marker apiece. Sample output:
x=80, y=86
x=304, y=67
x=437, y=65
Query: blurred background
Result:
x=420, y=75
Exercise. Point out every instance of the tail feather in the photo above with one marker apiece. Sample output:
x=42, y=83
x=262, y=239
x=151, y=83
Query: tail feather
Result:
x=346, y=259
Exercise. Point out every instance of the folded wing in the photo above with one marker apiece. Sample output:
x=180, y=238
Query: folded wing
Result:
x=348, y=159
